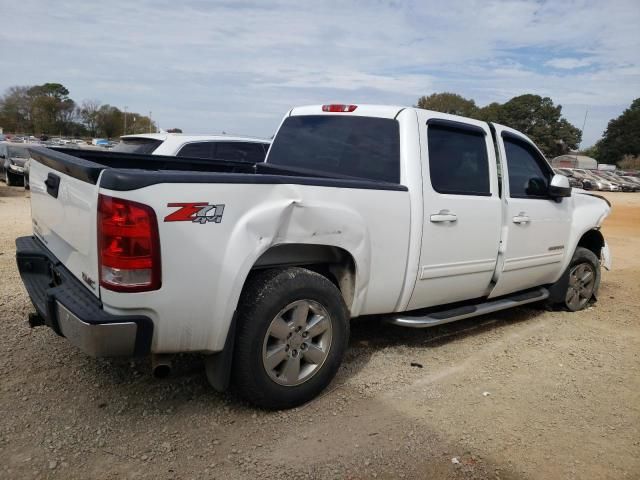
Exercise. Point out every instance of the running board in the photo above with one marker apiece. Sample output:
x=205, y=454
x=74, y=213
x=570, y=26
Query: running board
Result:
x=404, y=319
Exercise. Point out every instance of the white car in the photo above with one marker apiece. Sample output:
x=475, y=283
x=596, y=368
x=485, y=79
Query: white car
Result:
x=214, y=147
x=417, y=216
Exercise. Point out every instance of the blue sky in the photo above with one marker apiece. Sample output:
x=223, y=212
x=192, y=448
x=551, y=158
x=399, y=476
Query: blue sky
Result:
x=234, y=66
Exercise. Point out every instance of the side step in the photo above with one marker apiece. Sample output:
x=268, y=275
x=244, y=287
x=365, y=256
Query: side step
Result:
x=405, y=319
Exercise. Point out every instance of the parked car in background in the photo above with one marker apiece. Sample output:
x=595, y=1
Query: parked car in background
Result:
x=631, y=179
x=573, y=181
x=27, y=167
x=213, y=147
x=624, y=184
x=12, y=159
x=600, y=182
x=587, y=182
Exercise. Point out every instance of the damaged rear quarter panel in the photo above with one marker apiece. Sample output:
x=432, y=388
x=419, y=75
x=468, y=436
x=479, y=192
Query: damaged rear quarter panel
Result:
x=204, y=266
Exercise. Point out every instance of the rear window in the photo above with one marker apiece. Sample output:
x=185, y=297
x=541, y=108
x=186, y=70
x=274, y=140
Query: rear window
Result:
x=137, y=145
x=17, y=152
x=365, y=147
x=197, y=150
x=238, y=151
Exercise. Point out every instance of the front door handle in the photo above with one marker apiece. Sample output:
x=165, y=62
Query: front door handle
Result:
x=521, y=218
x=443, y=216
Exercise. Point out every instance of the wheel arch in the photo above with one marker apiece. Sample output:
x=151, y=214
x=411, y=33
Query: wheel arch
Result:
x=592, y=240
x=335, y=263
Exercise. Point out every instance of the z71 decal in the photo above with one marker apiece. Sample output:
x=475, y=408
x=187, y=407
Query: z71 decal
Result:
x=198, y=212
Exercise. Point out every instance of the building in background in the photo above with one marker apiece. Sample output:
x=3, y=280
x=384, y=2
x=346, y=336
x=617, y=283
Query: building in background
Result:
x=571, y=160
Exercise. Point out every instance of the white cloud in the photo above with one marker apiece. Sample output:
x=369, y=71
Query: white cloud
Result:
x=210, y=66
x=568, y=63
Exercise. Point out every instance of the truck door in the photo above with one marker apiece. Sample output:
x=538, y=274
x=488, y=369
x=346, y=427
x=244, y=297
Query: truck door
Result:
x=536, y=227
x=462, y=211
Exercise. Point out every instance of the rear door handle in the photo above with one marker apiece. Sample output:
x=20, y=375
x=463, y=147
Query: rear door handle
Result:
x=521, y=218
x=443, y=216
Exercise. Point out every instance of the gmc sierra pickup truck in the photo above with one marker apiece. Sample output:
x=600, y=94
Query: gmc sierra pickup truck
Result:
x=419, y=217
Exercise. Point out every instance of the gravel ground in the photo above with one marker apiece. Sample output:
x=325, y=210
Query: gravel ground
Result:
x=520, y=394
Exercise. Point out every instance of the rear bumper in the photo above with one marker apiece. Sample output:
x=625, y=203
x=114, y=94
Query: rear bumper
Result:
x=72, y=311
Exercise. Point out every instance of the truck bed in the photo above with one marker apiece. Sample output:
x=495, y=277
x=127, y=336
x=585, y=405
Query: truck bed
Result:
x=126, y=171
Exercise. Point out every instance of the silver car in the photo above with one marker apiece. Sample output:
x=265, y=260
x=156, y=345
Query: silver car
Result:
x=12, y=160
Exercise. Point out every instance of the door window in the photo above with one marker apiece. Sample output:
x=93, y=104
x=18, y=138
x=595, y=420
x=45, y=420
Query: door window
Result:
x=528, y=174
x=458, y=161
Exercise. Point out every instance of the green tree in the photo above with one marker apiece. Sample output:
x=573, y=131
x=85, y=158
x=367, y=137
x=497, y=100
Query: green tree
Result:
x=110, y=121
x=490, y=113
x=88, y=113
x=449, y=103
x=51, y=108
x=541, y=120
x=15, y=110
x=137, y=123
x=592, y=152
x=622, y=136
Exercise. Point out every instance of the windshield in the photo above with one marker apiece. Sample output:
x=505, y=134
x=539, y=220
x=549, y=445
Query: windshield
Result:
x=365, y=147
x=137, y=145
x=15, y=152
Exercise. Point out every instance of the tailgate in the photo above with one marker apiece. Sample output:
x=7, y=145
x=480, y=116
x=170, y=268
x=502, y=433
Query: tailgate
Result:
x=64, y=217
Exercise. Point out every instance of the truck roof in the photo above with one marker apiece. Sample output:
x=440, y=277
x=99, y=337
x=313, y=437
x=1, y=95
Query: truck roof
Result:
x=363, y=110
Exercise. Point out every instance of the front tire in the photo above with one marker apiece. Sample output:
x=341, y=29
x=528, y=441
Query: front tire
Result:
x=579, y=283
x=293, y=330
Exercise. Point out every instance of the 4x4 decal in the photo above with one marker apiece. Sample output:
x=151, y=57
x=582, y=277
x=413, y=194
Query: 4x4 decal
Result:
x=197, y=212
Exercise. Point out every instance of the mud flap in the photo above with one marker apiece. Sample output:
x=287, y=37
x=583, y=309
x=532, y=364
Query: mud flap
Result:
x=218, y=365
x=605, y=257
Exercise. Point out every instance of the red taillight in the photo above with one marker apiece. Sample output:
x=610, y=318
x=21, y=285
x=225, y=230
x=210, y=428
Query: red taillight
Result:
x=128, y=245
x=338, y=108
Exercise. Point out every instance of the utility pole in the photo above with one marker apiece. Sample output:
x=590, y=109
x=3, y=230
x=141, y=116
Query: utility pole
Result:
x=150, y=123
x=125, y=120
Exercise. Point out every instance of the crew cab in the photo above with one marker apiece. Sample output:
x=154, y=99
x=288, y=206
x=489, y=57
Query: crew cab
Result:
x=214, y=147
x=419, y=217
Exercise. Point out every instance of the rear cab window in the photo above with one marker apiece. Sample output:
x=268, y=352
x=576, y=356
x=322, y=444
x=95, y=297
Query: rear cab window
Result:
x=365, y=147
x=252, y=152
x=137, y=145
x=240, y=151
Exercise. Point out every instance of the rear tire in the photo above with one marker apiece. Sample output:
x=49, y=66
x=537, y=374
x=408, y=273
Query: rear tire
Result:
x=12, y=179
x=579, y=283
x=292, y=332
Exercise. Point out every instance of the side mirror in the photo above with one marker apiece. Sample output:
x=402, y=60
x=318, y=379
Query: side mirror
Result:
x=559, y=187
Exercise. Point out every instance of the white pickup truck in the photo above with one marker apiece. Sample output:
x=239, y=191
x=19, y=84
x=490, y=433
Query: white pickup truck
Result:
x=421, y=217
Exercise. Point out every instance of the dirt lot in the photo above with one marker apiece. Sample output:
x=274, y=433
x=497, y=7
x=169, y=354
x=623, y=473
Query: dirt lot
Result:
x=520, y=394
